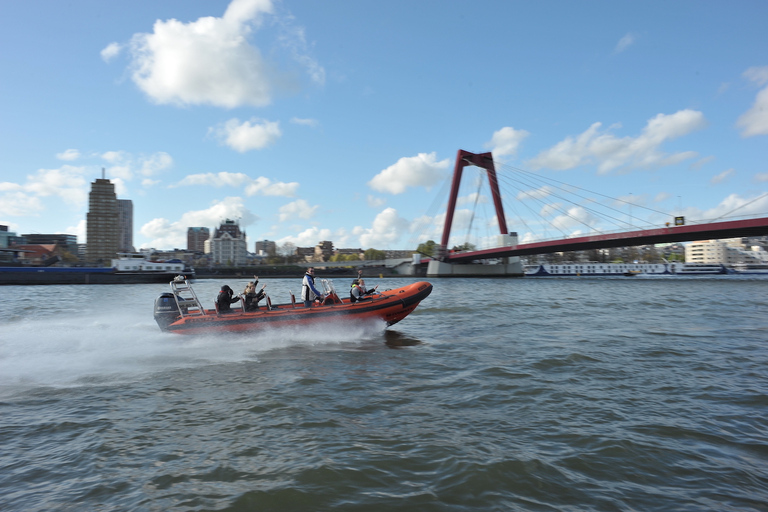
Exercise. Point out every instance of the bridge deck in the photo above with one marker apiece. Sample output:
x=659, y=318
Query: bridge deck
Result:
x=671, y=234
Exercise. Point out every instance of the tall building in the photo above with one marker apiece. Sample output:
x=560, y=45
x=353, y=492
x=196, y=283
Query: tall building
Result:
x=265, y=247
x=125, y=221
x=228, y=246
x=102, y=224
x=196, y=238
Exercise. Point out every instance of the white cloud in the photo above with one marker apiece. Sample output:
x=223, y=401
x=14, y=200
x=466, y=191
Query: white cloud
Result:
x=265, y=187
x=208, y=61
x=611, y=152
x=308, y=238
x=220, y=179
x=298, y=209
x=471, y=199
x=375, y=202
x=155, y=163
x=212, y=61
x=386, y=230
x=69, y=155
x=624, y=43
x=165, y=234
x=417, y=171
x=755, y=120
x=249, y=135
x=506, y=141
x=722, y=176
x=763, y=176
x=305, y=122
x=66, y=183
x=258, y=186
x=111, y=51
x=539, y=193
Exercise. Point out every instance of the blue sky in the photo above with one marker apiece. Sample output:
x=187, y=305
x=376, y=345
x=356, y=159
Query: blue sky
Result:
x=341, y=120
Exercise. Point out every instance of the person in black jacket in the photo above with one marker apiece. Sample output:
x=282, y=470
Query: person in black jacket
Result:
x=225, y=299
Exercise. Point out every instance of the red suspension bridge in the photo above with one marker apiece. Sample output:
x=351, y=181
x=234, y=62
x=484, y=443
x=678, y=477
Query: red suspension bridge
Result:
x=668, y=234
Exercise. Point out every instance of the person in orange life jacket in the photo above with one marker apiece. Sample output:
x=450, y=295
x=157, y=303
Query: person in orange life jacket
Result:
x=225, y=299
x=252, y=297
x=308, y=291
x=358, y=291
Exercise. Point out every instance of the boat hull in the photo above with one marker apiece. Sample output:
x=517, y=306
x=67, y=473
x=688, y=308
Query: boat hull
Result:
x=390, y=306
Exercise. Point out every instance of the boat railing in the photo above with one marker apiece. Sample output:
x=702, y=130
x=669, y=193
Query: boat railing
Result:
x=187, y=305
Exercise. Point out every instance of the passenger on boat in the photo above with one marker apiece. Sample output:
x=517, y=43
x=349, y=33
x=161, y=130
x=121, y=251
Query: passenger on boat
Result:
x=358, y=291
x=225, y=299
x=252, y=296
x=308, y=291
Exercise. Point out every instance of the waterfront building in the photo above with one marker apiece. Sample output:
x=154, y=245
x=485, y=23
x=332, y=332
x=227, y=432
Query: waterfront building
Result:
x=125, y=223
x=265, y=248
x=728, y=252
x=196, y=238
x=7, y=238
x=228, y=244
x=102, y=224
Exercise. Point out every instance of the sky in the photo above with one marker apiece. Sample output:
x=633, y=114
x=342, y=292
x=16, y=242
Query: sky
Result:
x=341, y=120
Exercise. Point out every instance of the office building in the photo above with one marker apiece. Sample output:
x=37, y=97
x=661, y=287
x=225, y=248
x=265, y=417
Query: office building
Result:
x=196, y=238
x=102, y=224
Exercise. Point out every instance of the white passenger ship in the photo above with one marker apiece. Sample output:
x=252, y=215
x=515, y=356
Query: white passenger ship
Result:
x=623, y=269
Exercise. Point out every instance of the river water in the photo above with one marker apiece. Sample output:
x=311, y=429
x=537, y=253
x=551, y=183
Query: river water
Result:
x=534, y=394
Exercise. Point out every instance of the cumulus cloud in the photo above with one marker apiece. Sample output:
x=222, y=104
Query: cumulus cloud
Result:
x=258, y=186
x=124, y=165
x=722, y=176
x=67, y=183
x=624, y=43
x=165, y=233
x=309, y=237
x=505, y=142
x=248, y=135
x=375, y=202
x=611, y=152
x=266, y=187
x=386, y=230
x=111, y=51
x=755, y=120
x=69, y=155
x=422, y=170
x=298, y=209
x=305, y=122
x=212, y=60
x=539, y=193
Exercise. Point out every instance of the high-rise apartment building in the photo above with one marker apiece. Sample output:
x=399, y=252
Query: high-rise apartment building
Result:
x=102, y=224
x=266, y=248
x=125, y=222
x=196, y=238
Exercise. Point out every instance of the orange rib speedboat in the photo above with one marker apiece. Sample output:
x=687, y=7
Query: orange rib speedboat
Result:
x=180, y=310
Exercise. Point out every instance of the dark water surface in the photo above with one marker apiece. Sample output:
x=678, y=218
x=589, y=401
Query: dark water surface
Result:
x=573, y=394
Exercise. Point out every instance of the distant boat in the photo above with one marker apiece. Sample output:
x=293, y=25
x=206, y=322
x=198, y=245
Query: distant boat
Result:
x=751, y=268
x=127, y=268
x=623, y=269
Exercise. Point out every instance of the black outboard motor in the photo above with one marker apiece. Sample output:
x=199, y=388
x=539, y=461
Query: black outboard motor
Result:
x=166, y=310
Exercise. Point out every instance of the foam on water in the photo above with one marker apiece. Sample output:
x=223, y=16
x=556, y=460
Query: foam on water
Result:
x=117, y=346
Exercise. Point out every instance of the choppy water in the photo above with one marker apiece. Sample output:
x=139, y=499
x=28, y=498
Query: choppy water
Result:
x=573, y=394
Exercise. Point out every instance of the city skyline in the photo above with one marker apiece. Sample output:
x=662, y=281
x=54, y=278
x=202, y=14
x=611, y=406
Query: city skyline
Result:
x=270, y=113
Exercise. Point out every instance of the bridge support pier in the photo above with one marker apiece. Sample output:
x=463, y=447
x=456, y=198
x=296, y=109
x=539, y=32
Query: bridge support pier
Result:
x=512, y=268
